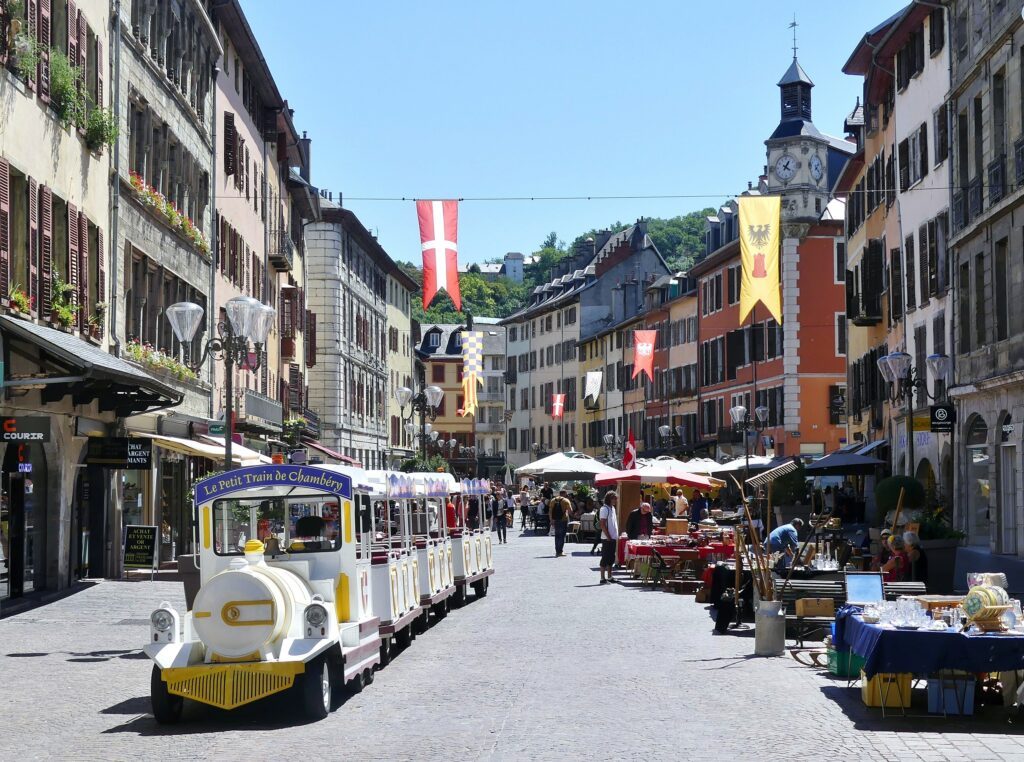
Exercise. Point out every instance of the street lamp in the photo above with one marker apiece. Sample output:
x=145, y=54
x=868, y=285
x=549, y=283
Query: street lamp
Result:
x=904, y=380
x=248, y=320
x=741, y=421
x=425, y=403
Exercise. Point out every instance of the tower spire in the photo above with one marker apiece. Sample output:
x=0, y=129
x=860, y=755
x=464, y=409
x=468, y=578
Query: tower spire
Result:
x=793, y=25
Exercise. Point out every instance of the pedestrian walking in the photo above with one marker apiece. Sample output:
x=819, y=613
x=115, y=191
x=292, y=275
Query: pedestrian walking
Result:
x=524, y=506
x=559, y=510
x=609, y=536
x=698, y=507
x=501, y=522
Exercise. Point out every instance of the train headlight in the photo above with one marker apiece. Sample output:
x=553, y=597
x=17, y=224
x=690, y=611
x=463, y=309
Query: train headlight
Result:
x=163, y=623
x=316, y=615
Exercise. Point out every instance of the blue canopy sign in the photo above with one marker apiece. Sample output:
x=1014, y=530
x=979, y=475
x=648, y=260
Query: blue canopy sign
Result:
x=241, y=479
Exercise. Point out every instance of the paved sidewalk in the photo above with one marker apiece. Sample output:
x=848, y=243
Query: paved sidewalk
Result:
x=549, y=666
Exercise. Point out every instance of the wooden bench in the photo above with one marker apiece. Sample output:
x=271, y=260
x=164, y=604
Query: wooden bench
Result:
x=801, y=628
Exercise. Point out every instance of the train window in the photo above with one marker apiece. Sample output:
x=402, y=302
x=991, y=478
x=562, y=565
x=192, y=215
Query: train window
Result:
x=299, y=524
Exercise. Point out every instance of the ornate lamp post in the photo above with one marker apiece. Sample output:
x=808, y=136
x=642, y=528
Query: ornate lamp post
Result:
x=742, y=422
x=248, y=320
x=904, y=380
x=425, y=403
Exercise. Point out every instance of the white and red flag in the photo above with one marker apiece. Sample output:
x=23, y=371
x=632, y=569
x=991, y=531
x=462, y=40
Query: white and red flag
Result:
x=629, y=455
x=557, y=405
x=643, y=353
x=439, y=236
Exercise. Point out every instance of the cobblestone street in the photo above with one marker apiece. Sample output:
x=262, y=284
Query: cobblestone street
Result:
x=549, y=666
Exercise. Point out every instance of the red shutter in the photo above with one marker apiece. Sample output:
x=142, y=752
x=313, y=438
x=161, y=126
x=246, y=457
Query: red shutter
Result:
x=101, y=279
x=72, y=260
x=302, y=309
x=83, y=38
x=230, y=144
x=32, y=7
x=32, y=287
x=5, y=229
x=85, y=306
x=43, y=30
x=99, y=73
x=310, y=339
x=45, y=251
x=72, y=28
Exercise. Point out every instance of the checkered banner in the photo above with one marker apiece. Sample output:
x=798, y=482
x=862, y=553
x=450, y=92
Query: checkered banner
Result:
x=472, y=370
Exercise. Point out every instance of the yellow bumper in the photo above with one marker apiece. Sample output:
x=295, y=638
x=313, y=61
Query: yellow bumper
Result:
x=227, y=686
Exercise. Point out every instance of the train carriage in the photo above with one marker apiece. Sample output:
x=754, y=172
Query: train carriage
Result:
x=471, y=546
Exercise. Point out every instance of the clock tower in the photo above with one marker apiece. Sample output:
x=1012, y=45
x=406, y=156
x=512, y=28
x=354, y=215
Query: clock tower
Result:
x=798, y=152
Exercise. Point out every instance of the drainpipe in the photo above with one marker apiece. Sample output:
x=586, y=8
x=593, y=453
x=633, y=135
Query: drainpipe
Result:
x=115, y=191
x=212, y=313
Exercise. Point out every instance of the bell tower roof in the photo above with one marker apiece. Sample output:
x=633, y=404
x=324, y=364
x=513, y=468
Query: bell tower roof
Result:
x=794, y=74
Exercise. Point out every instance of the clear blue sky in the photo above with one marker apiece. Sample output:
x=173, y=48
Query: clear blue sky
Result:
x=450, y=99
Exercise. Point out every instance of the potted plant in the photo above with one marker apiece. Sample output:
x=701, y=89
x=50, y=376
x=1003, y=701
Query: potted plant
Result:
x=62, y=305
x=66, y=91
x=100, y=128
x=939, y=540
x=19, y=301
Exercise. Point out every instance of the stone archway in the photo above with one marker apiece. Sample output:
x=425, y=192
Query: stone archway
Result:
x=926, y=475
x=977, y=480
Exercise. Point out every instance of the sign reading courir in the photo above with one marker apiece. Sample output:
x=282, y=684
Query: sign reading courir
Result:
x=254, y=477
x=120, y=452
x=25, y=428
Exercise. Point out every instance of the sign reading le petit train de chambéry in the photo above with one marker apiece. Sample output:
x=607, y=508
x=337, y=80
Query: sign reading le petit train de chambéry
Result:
x=273, y=476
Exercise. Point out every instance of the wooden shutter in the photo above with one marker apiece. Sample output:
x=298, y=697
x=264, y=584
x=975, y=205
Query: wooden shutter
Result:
x=45, y=251
x=72, y=29
x=32, y=287
x=83, y=39
x=310, y=339
x=85, y=306
x=302, y=312
x=43, y=30
x=72, y=260
x=101, y=279
x=5, y=229
x=99, y=73
x=230, y=144
x=32, y=17
x=3, y=37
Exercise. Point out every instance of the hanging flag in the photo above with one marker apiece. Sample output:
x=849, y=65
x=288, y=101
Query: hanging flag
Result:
x=592, y=384
x=472, y=370
x=643, y=353
x=439, y=233
x=760, y=224
x=557, y=405
x=629, y=455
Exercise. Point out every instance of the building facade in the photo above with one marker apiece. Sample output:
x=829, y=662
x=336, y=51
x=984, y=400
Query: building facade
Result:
x=401, y=361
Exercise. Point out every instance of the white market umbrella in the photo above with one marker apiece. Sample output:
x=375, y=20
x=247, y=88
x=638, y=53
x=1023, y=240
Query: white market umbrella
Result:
x=738, y=464
x=565, y=466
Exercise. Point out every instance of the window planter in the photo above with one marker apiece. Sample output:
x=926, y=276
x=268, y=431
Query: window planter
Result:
x=158, y=204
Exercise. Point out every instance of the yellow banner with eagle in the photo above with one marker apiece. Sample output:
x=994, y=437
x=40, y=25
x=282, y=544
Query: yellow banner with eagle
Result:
x=760, y=238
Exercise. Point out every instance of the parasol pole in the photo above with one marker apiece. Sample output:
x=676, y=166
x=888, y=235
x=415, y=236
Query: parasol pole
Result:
x=899, y=509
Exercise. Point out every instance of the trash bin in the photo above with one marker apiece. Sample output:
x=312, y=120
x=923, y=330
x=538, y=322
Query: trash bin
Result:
x=188, y=568
x=769, y=629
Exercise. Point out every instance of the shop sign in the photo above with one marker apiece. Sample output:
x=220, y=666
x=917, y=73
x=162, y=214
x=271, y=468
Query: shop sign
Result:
x=25, y=428
x=140, y=546
x=24, y=468
x=942, y=419
x=120, y=452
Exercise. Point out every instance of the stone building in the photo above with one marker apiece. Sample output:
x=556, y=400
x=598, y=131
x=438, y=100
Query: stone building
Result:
x=986, y=141
x=401, y=360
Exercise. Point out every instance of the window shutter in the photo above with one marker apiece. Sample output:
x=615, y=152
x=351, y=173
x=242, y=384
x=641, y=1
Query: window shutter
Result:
x=3, y=37
x=5, y=229
x=72, y=261
x=72, y=29
x=32, y=287
x=43, y=30
x=909, y=265
x=99, y=74
x=32, y=8
x=922, y=261
x=45, y=251
x=85, y=307
x=851, y=297
x=101, y=278
x=310, y=339
x=923, y=146
x=230, y=144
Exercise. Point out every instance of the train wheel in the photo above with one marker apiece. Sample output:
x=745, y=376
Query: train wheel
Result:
x=459, y=597
x=355, y=685
x=316, y=689
x=367, y=676
x=420, y=624
x=403, y=638
x=478, y=589
x=166, y=706
x=385, y=652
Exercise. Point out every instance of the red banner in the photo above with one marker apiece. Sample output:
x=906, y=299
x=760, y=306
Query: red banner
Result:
x=629, y=454
x=643, y=353
x=439, y=237
x=557, y=405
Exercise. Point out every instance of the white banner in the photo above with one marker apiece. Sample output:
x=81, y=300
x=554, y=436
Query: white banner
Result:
x=592, y=387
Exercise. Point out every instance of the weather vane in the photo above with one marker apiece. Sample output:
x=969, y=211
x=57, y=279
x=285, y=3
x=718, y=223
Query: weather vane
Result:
x=793, y=25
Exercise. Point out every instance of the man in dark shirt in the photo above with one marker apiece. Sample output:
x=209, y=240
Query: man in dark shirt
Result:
x=559, y=509
x=697, y=508
x=640, y=522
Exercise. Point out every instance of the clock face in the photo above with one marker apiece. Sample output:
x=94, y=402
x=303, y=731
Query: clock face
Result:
x=785, y=167
x=817, y=170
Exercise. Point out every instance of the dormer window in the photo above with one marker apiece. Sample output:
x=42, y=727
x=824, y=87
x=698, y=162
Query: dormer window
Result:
x=434, y=339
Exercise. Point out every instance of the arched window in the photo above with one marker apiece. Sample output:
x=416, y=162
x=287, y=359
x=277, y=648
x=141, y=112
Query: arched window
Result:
x=978, y=488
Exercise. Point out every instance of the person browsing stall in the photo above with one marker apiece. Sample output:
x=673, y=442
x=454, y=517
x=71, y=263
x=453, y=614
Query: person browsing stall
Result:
x=784, y=539
x=640, y=522
x=608, y=517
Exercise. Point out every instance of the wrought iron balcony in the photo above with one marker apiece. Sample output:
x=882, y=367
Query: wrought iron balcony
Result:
x=1018, y=160
x=997, y=180
x=959, y=211
x=866, y=309
x=312, y=427
x=282, y=251
x=260, y=410
x=976, y=197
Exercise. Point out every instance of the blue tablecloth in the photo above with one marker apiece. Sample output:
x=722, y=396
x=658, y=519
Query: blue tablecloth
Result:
x=924, y=652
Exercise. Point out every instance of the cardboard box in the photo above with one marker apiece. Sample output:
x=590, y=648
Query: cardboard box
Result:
x=894, y=689
x=677, y=526
x=815, y=607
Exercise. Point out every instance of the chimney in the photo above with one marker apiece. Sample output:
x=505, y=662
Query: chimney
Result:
x=305, y=147
x=750, y=185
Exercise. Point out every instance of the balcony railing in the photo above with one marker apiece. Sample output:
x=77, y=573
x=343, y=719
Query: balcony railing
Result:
x=866, y=309
x=259, y=409
x=976, y=197
x=1018, y=160
x=312, y=427
x=959, y=211
x=997, y=180
x=282, y=250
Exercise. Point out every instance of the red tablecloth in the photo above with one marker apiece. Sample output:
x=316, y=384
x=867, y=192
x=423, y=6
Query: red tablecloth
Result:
x=639, y=549
x=717, y=549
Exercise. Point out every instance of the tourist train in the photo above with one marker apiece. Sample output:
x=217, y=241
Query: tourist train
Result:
x=311, y=577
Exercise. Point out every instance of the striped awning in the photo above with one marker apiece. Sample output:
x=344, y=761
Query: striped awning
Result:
x=773, y=473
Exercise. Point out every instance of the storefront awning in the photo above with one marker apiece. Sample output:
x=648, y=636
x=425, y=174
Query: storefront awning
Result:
x=872, y=446
x=202, y=449
x=332, y=454
x=83, y=371
x=247, y=455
